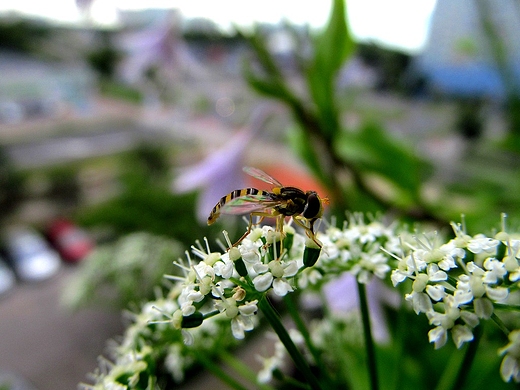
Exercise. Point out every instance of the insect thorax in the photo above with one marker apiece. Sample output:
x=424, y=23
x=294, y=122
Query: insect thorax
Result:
x=295, y=200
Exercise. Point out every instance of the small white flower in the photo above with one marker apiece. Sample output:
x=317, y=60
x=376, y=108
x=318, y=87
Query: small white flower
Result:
x=461, y=334
x=240, y=324
x=510, y=367
x=249, y=308
x=450, y=315
x=450, y=255
x=435, y=274
x=250, y=255
x=195, y=296
x=495, y=270
x=224, y=268
x=263, y=282
x=269, y=364
x=469, y=318
x=281, y=287
x=228, y=306
x=421, y=302
x=436, y=292
x=482, y=244
x=187, y=308
x=483, y=307
x=398, y=276
x=497, y=294
x=438, y=336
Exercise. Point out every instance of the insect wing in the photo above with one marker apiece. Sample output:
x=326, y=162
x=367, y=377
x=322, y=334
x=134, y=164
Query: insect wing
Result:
x=248, y=204
x=261, y=175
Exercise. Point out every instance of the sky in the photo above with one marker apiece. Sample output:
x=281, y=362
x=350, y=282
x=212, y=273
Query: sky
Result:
x=399, y=24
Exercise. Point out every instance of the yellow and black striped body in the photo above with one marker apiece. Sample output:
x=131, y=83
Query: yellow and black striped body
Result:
x=242, y=193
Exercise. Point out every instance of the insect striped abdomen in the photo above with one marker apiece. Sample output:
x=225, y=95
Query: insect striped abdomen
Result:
x=215, y=213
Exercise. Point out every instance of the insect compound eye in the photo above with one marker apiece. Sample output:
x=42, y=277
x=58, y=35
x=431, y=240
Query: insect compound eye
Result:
x=312, y=206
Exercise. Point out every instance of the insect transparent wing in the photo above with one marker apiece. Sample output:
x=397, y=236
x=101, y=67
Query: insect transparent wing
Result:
x=261, y=175
x=248, y=204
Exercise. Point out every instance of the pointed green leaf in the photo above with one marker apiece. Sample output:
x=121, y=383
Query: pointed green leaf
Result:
x=371, y=149
x=331, y=47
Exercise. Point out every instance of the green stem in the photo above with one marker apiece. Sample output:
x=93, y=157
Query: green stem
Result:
x=500, y=324
x=369, y=341
x=302, y=328
x=274, y=320
x=506, y=307
x=215, y=369
x=242, y=369
x=458, y=367
x=398, y=349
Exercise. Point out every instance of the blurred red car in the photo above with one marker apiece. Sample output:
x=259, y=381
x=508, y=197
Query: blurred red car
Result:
x=72, y=243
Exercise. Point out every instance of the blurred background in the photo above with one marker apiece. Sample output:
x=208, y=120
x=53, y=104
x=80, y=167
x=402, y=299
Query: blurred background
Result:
x=123, y=122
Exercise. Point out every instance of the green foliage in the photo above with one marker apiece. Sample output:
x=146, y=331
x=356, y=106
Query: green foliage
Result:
x=63, y=184
x=332, y=48
x=322, y=142
x=103, y=61
x=120, y=91
x=391, y=66
x=105, y=57
x=371, y=149
x=150, y=159
x=124, y=273
x=145, y=202
x=146, y=207
x=22, y=36
x=11, y=185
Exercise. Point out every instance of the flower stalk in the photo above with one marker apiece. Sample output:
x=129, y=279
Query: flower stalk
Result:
x=301, y=364
x=300, y=325
x=369, y=340
x=218, y=372
x=458, y=367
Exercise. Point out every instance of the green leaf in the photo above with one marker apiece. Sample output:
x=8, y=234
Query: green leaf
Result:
x=272, y=83
x=302, y=144
x=264, y=87
x=332, y=47
x=372, y=150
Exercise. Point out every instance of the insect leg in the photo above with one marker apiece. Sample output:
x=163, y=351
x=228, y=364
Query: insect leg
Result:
x=308, y=229
x=262, y=215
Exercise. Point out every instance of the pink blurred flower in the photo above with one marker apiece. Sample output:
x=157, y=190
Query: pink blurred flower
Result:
x=221, y=171
x=157, y=48
x=342, y=297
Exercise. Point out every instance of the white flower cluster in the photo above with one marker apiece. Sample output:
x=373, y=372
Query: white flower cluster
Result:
x=219, y=288
x=232, y=282
x=356, y=248
x=273, y=365
x=458, y=283
x=148, y=340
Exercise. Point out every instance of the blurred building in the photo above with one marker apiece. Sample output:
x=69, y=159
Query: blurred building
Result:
x=31, y=88
x=466, y=39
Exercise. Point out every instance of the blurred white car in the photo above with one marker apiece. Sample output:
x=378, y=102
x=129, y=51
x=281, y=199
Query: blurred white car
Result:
x=30, y=255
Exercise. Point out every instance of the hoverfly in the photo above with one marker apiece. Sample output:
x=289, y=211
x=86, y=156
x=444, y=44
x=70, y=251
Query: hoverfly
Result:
x=281, y=202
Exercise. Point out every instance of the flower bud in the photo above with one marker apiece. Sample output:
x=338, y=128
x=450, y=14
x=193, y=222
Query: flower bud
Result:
x=289, y=237
x=212, y=258
x=193, y=320
x=311, y=253
x=236, y=257
x=240, y=266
